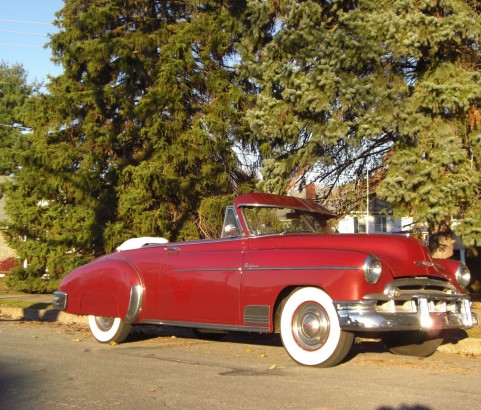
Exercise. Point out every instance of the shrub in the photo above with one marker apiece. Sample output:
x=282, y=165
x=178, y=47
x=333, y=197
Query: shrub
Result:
x=8, y=264
x=31, y=281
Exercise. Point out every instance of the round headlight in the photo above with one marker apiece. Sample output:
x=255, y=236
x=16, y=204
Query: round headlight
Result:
x=463, y=276
x=372, y=269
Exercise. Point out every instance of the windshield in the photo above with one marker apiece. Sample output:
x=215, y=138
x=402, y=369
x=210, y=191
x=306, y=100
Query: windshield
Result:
x=270, y=221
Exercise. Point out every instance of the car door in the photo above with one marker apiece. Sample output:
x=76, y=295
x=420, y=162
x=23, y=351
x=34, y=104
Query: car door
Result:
x=200, y=282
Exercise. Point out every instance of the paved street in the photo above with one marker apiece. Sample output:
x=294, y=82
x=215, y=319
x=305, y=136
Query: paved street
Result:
x=57, y=366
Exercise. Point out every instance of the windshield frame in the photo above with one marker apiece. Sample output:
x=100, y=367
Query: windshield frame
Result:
x=262, y=220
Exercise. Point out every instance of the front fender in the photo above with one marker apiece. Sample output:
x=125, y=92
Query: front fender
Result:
x=107, y=287
x=447, y=268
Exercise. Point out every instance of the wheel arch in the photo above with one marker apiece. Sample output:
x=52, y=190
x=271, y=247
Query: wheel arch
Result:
x=109, y=287
x=282, y=298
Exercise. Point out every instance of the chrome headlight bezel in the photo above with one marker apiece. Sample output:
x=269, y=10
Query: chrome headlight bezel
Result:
x=372, y=269
x=463, y=275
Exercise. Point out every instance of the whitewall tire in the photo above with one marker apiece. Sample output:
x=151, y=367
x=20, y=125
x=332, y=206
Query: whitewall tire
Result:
x=310, y=329
x=109, y=329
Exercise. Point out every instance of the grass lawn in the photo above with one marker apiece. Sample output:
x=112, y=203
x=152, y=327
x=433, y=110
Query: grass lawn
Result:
x=25, y=305
x=19, y=303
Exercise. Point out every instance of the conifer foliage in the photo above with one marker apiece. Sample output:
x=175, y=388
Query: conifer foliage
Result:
x=132, y=136
x=387, y=86
x=14, y=92
x=141, y=133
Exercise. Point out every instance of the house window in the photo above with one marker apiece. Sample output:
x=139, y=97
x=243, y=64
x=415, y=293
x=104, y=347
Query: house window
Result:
x=359, y=225
x=380, y=224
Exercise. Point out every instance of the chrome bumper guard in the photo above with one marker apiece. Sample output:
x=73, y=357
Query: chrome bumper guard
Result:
x=59, y=300
x=366, y=315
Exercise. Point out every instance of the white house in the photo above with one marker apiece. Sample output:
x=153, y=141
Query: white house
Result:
x=6, y=251
x=378, y=220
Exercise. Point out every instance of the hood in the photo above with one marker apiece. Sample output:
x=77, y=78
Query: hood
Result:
x=405, y=256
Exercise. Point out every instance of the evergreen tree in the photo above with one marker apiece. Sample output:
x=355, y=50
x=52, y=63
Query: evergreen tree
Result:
x=433, y=171
x=385, y=86
x=135, y=133
x=14, y=91
x=328, y=97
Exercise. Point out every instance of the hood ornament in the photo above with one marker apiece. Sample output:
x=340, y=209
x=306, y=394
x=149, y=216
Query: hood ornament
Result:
x=426, y=264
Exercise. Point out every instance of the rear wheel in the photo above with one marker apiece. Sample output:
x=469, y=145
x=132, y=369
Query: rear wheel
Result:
x=310, y=329
x=109, y=329
x=413, y=343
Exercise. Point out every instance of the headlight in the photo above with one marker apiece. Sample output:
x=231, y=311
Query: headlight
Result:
x=372, y=269
x=463, y=276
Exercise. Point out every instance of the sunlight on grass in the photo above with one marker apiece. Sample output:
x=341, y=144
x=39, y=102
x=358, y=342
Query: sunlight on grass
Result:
x=25, y=305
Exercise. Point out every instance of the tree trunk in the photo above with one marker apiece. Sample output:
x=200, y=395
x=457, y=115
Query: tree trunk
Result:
x=441, y=242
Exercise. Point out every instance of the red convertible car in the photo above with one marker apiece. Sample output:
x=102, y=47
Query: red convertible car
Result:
x=278, y=268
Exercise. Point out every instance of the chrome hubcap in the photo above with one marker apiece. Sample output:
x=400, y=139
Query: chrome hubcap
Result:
x=310, y=326
x=104, y=323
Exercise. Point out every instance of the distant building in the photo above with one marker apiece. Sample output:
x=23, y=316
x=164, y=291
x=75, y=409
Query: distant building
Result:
x=6, y=251
x=379, y=220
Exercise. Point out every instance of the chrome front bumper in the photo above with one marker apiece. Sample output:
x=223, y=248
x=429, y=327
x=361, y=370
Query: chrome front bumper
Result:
x=366, y=316
x=59, y=300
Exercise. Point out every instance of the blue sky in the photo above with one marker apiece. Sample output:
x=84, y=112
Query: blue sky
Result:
x=24, y=28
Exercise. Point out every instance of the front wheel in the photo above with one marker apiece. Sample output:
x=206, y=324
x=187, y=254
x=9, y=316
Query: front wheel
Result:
x=109, y=329
x=412, y=343
x=310, y=329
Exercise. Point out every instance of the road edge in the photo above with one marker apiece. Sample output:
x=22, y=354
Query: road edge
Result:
x=41, y=315
x=466, y=347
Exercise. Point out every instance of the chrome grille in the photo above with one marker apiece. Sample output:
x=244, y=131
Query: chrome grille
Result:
x=409, y=285
x=403, y=295
x=409, y=304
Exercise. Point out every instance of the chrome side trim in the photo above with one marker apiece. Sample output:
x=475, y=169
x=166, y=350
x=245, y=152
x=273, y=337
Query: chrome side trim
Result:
x=208, y=270
x=135, y=304
x=206, y=326
x=179, y=245
x=300, y=268
x=251, y=268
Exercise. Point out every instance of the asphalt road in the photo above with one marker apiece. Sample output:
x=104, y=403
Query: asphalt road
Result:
x=60, y=366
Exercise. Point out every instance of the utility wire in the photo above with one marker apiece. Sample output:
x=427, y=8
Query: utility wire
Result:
x=25, y=22
x=28, y=33
x=19, y=45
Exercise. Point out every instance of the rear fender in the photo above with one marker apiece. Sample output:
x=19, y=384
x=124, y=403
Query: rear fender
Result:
x=108, y=287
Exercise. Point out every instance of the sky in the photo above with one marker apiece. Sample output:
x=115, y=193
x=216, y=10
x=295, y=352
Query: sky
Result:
x=24, y=29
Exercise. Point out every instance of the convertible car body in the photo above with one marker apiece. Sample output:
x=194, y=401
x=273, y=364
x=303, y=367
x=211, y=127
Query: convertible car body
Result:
x=278, y=268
